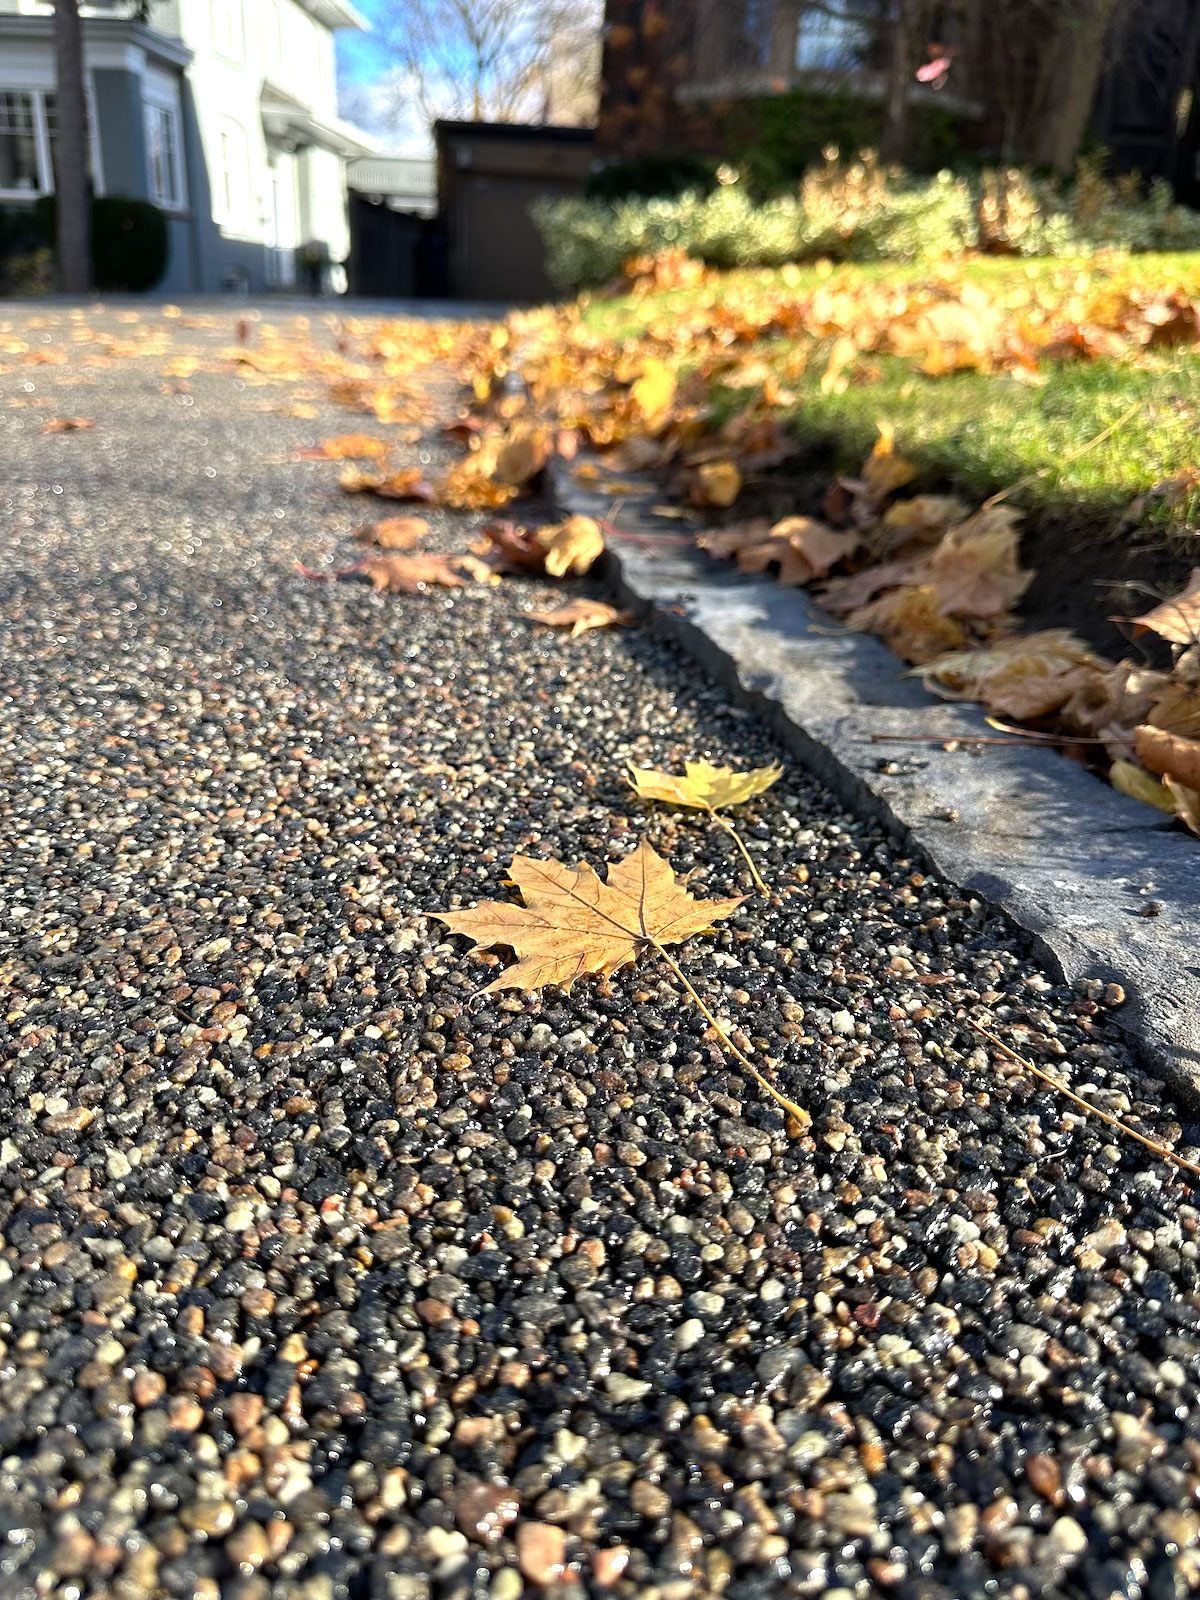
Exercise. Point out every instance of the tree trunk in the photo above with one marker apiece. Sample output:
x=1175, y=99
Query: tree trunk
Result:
x=71, y=183
x=1082, y=54
x=894, y=145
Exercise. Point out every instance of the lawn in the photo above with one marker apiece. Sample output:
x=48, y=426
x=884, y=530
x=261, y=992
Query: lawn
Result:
x=977, y=431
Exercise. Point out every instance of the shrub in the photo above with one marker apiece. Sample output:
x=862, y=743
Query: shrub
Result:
x=22, y=254
x=861, y=211
x=129, y=241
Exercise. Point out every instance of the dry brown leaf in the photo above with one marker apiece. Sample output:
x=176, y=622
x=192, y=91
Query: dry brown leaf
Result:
x=1025, y=677
x=715, y=483
x=408, y=484
x=724, y=543
x=1187, y=801
x=479, y=571
x=346, y=447
x=518, y=547
x=1178, y=619
x=571, y=548
x=396, y=574
x=820, y=547
x=911, y=621
x=1168, y=754
x=842, y=595
x=67, y=424
x=803, y=548
x=924, y=517
x=974, y=568
x=523, y=455
x=580, y=616
x=884, y=471
x=393, y=533
x=572, y=925
x=1176, y=707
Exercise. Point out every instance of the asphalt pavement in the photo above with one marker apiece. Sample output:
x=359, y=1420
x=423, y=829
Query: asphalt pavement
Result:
x=325, y=1276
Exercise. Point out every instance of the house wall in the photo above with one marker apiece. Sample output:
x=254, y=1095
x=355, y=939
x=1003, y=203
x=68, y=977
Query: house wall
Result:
x=117, y=97
x=277, y=42
x=249, y=200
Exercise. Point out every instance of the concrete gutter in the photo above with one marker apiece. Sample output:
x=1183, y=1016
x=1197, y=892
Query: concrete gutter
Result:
x=1108, y=888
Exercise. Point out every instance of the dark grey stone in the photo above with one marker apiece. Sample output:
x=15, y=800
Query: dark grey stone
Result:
x=1109, y=888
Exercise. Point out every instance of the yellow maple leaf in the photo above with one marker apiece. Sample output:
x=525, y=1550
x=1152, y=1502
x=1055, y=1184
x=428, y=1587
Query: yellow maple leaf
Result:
x=572, y=547
x=717, y=483
x=653, y=394
x=704, y=787
x=1138, y=784
x=573, y=924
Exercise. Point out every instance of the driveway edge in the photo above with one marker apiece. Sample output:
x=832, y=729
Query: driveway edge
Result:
x=1106, y=887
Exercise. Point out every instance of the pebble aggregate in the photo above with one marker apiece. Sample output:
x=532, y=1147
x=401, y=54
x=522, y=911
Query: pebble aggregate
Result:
x=325, y=1276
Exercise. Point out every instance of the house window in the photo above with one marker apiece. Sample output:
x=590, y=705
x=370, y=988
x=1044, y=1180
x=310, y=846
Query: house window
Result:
x=834, y=41
x=234, y=194
x=229, y=33
x=22, y=169
x=28, y=142
x=163, y=154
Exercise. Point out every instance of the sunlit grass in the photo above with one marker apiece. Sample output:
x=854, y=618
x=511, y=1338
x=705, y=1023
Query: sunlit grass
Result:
x=974, y=431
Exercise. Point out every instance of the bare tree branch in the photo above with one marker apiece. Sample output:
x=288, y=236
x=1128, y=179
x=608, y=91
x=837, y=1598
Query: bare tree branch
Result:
x=497, y=60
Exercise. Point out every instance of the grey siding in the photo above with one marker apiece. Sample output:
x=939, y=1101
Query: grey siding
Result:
x=122, y=131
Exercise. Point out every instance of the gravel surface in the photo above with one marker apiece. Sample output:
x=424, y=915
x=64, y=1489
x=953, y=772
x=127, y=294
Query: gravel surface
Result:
x=324, y=1276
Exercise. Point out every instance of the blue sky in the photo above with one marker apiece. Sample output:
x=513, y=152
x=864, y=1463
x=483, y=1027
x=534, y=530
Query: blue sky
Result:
x=361, y=56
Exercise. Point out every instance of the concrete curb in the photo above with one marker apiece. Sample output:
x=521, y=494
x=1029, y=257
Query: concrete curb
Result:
x=1073, y=862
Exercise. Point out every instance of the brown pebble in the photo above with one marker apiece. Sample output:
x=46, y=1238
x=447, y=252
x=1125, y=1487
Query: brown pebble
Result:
x=483, y=1510
x=185, y=1413
x=1113, y=995
x=648, y=1500
x=541, y=1552
x=434, y=1312
x=148, y=1387
x=245, y=1411
x=1001, y=1514
x=608, y=1565
x=1045, y=1476
x=213, y=1517
x=247, y=1546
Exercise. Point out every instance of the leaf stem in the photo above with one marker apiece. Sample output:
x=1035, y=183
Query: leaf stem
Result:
x=737, y=839
x=801, y=1116
x=1162, y=1150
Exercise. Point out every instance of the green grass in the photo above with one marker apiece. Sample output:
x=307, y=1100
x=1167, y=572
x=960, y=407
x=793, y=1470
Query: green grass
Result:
x=980, y=433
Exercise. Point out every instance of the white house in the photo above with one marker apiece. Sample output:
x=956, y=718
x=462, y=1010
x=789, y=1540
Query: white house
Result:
x=223, y=112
